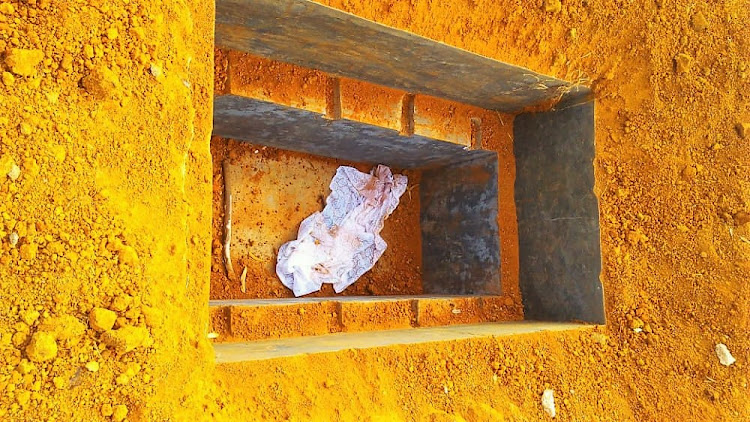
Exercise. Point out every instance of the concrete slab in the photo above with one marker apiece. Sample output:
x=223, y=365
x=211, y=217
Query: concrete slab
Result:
x=316, y=36
x=558, y=215
x=281, y=348
x=460, y=233
x=293, y=129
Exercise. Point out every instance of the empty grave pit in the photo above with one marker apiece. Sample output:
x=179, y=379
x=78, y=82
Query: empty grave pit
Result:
x=488, y=231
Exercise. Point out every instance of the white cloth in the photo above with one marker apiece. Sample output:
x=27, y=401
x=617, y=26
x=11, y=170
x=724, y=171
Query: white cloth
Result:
x=343, y=242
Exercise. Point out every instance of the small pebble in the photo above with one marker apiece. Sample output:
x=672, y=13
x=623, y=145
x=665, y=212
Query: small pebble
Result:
x=599, y=338
x=15, y=172
x=7, y=8
x=699, y=22
x=42, y=347
x=23, y=62
x=725, y=358
x=548, y=402
x=8, y=78
x=13, y=238
x=119, y=412
x=552, y=6
x=23, y=397
x=107, y=409
x=683, y=62
x=29, y=317
x=59, y=382
x=101, y=319
x=25, y=128
x=156, y=71
x=102, y=83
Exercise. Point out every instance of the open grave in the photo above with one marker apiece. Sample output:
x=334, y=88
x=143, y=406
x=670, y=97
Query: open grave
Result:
x=444, y=265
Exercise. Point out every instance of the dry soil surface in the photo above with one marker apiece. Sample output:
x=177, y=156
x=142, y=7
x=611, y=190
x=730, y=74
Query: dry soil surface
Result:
x=105, y=110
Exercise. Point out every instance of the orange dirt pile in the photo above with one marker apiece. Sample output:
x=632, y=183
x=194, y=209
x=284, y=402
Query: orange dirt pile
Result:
x=104, y=254
x=105, y=116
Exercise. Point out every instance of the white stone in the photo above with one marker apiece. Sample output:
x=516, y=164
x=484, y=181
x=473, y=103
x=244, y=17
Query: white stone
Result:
x=13, y=238
x=156, y=71
x=725, y=357
x=15, y=172
x=548, y=402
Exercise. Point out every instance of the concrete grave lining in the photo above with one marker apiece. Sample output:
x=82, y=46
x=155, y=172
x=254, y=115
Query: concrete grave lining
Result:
x=557, y=211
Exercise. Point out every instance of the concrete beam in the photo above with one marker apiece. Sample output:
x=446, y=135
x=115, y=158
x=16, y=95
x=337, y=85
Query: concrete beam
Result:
x=227, y=353
x=312, y=35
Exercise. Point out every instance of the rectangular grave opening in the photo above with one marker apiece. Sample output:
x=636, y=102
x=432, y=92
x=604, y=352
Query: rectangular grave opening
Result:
x=500, y=222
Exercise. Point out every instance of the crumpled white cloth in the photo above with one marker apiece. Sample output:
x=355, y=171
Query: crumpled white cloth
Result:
x=343, y=242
